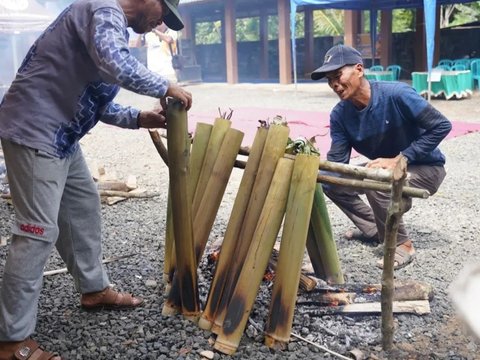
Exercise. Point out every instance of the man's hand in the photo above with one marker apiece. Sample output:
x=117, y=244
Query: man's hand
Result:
x=152, y=120
x=384, y=163
x=177, y=92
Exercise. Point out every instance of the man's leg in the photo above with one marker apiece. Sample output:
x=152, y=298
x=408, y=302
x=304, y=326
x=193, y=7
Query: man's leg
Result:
x=349, y=201
x=79, y=221
x=36, y=184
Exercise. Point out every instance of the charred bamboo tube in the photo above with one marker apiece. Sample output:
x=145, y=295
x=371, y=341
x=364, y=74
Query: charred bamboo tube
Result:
x=233, y=229
x=169, y=256
x=274, y=149
x=256, y=261
x=178, y=156
x=372, y=185
x=392, y=222
x=292, y=248
x=324, y=241
x=217, y=135
x=199, y=149
x=314, y=255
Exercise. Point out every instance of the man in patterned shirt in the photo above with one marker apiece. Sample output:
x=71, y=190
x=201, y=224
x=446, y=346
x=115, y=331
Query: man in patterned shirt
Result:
x=382, y=121
x=65, y=85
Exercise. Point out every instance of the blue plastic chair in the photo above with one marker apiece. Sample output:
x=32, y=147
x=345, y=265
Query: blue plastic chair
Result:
x=447, y=62
x=464, y=62
x=458, y=67
x=444, y=67
x=475, y=69
x=376, y=68
x=396, y=70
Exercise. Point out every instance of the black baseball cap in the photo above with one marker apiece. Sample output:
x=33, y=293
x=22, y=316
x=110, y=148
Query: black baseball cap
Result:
x=173, y=19
x=336, y=58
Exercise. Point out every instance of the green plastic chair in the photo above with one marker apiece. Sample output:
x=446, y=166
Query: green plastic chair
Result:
x=447, y=62
x=457, y=67
x=396, y=70
x=376, y=68
x=475, y=69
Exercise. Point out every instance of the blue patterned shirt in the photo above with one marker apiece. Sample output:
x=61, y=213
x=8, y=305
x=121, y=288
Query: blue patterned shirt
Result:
x=70, y=76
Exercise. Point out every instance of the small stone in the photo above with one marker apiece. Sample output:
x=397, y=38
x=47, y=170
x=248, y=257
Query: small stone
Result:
x=151, y=283
x=207, y=354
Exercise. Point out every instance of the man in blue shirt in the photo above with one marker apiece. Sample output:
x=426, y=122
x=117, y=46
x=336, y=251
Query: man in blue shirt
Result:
x=65, y=85
x=382, y=121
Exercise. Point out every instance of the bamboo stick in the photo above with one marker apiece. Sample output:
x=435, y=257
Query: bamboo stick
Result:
x=159, y=145
x=371, y=185
x=274, y=149
x=307, y=283
x=392, y=222
x=233, y=229
x=359, y=172
x=178, y=156
x=324, y=241
x=215, y=141
x=292, y=248
x=256, y=261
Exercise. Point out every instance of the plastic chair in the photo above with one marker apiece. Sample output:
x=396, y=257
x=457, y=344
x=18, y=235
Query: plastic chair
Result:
x=457, y=67
x=444, y=67
x=447, y=62
x=376, y=68
x=475, y=69
x=464, y=62
x=396, y=69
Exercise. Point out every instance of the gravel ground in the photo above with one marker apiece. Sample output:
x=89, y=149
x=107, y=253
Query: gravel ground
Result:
x=445, y=229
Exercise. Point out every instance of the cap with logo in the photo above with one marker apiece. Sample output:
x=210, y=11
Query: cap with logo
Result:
x=173, y=19
x=336, y=58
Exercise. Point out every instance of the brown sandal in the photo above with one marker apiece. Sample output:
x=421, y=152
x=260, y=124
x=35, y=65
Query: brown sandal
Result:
x=110, y=299
x=29, y=349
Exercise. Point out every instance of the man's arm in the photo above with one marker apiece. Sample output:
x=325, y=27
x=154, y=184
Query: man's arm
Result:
x=131, y=118
x=340, y=149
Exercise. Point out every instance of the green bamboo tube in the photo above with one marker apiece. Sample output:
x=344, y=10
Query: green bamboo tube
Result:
x=314, y=254
x=213, y=194
x=325, y=243
x=197, y=156
x=274, y=149
x=178, y=157
x=292, y=249
x=233, y=229
x=215, y=141
x=253, y=269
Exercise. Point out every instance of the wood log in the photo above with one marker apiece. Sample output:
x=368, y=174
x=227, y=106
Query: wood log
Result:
x=307, y=283
x=359, y=172
x=418, y=307
x=112, y=185
x=141, y=193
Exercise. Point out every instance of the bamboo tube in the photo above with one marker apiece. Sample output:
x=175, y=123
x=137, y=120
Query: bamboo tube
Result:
x=178, y=155
x=217, y=135
x=169, y=256
x=392, y=222
x=233, y=229
x=199, y=149
x=324, y=241
x=292, y=248
x=256, y=261
x=372, y=185
x=314, y=254
x=274, y=149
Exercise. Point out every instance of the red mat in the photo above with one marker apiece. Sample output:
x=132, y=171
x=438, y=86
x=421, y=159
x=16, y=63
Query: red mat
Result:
x=301, y=123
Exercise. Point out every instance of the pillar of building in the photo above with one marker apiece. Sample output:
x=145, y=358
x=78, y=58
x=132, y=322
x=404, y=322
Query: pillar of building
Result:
x=309, y=41
x=284, y=42
x=352, y=24
x=386, y=38
x=231, y=55
x=264, y=58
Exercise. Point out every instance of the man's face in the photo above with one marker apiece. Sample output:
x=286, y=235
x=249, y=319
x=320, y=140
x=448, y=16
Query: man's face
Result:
x=149, y=14
x=345, y=81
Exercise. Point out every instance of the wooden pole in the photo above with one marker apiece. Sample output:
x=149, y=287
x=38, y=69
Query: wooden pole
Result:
x=292, y=249
x=233, y=229
x=392, y=222
x=256, y=261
